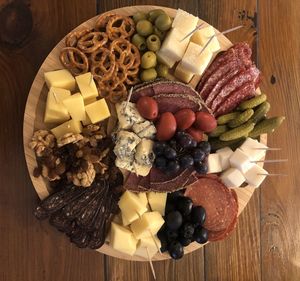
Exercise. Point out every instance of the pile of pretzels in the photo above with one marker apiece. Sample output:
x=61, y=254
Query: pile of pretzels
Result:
x=107, y=53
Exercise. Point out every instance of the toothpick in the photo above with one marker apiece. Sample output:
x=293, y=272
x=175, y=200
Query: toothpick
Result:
x=272, y=175
x=55, y=96
x=151, y=264
x=128, y=98
x=91, y=79
x=193, y=31
x=219, y=33
x=267, y=148
x=270, y=161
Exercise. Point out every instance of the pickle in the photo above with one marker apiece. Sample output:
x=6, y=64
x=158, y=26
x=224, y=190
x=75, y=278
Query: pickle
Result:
x=253, y=102
x=218, y=131
x=223, y=119
x=218, y=144
x=241, y=119
x=237, y=132
x=266, y=126
x=260, y=112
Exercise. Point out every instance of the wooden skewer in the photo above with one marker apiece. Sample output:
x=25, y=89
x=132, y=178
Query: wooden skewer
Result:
x=270, y=161
x=128, y=98
x=91, y=79
x=272, y=175
x=55, y=96
x=267, y=148
x=217, y=34
x=193, y=31
x=151, y=264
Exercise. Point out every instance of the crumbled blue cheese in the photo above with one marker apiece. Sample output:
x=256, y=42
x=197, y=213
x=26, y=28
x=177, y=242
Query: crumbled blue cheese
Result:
x=144, y=152
x=145, y=129
x=127, y=164
x=141, y=170
x=129, y=117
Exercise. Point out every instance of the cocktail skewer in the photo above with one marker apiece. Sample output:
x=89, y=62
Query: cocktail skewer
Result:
x=267, y=148
x=91, y=79
x=193, y=31
x=128, y=98
x=55, y=96
x=272, y=175
x=270, y=161
x=151, y=264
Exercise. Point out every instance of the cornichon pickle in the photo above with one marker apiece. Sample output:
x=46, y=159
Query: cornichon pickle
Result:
x=241, y=119
x=218, y=131
x=237, y=132
x=266, y=126
x=260, y=112
x=223, y=119
x=253, y=102
x=218, y=144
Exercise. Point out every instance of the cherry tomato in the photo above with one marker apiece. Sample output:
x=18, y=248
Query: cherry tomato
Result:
x=147, y=107
x=166, y=126
x=196, y=134
x=185, y=118
x=205, y=122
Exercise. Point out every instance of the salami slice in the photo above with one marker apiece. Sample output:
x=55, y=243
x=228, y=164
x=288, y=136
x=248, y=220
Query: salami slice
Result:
x=132, y=183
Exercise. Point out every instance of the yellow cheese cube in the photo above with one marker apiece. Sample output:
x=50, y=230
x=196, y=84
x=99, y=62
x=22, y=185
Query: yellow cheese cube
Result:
x=202, y=35
x=184, y=21
x=163, y=57
x=55, y=111
x=61, y=79
x=157, y=201
x=147, y=243
x=182, y=74
x=97, y=111
x=75, y=106
x=143, y=198
x=122, y=239
x=131, y=207
x=147, y=225
x=87, y=87
x=86, y=121
x=70, y=126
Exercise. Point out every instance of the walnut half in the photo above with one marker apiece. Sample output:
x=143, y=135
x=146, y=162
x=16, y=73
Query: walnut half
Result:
x=41, y=140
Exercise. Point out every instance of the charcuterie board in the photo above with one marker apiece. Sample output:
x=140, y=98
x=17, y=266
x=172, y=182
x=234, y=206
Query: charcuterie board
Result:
x=34, y=112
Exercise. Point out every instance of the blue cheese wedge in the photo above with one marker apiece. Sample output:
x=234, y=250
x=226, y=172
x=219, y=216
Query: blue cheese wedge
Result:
x=144, y=152
x=126, y=144
x=141, y=170
x=125, y=164
x=145, y=129
x=127, y=118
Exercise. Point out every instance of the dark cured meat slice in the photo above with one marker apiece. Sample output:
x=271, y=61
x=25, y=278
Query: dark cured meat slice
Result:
x=249, y=75
x=245, y=92
x=132, y=183
x=217, y=200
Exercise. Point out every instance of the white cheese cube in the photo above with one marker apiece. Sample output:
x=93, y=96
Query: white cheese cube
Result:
x=127, y=118
x=157, y=201
x=202, y=35
x=147, y=245
x=182, y=74
x=232, y=178
x=254, y=149
x=185, y=22
x=240, y=160
x=163, y=56
x=214, y=163
x=255, y=175
x=194, y=61
x=224, y=154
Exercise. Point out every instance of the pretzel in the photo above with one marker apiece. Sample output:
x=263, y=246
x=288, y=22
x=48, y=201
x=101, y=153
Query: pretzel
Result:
x=118, y=94
x=120, y=27
x=73, y=37
x=119, y=74
x=92, y=41
x=74, y=60
x=132, y=76
x=102, y=21
x=102, y=63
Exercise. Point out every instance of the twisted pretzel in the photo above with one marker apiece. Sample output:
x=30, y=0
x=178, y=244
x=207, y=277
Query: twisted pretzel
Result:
x=102, y=21
x=92, y=41
x=120, y=27
x=73, y=37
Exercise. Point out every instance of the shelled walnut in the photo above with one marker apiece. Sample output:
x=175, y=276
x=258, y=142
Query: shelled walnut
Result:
x=41, y=140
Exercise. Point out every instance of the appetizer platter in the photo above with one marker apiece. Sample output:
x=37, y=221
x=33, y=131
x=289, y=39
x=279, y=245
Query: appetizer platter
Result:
x=145, y=133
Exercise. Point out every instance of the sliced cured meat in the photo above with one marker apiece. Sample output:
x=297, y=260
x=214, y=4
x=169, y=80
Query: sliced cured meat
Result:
x=132, y=183
x=249, y=75
x=218, y=201
x=245, y=92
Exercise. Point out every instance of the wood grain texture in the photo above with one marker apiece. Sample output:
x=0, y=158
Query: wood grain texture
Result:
x=279, y=49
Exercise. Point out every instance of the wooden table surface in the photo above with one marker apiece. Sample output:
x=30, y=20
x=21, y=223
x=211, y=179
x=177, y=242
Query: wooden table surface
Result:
x=266, y=242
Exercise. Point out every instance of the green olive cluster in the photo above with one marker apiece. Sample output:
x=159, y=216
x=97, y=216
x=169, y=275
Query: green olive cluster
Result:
x=151, y=30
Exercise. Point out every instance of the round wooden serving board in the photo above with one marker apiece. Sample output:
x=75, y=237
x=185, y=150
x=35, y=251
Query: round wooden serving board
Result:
x=34, y=114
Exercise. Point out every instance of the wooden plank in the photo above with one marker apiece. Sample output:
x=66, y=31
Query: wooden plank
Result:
x=238, y=257
x=279, y=50
x=32, y=250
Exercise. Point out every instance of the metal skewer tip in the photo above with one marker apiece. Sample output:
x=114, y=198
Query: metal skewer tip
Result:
x=270, y=161
x=193, y=31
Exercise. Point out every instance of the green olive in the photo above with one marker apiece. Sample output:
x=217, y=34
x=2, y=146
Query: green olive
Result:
x=159, y=33
x=148, y=60
x=139, y=16
x=163, y=22
x=144, y=27
x=139, y=41
x=162, y=70
x=153, y=43
x=148, y=74
x=152, y=16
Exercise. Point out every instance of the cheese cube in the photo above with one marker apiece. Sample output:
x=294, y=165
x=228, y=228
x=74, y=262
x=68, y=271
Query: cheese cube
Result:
x=157, y=201
x=253, y=149
x=97, y=111
x=214, y=163
x=194, y=61
x=202, y=35
x=55, y=111
x=70, y=126
x=150, y=244
x=86, y=121
x=255, y=175
x=163, y=56
x=75, y=106
x=240, y=160
x=232, y=178
x=87, y=87
x=131, y=206
x=184, y=22
x=147, y=225
x=141, y=170
x=60, y=79
x=125, y=221
x=182, y=74
x=122, y=239
x=224, y=154
x=143, y=198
